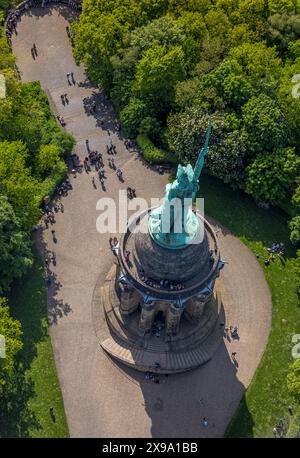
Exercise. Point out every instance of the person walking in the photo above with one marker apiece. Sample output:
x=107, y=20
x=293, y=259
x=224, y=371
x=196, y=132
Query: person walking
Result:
x=205, y=422
x=54, y=236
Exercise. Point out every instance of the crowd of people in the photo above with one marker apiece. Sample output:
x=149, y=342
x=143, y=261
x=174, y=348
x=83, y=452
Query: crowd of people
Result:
x=131, y=194
x=11, y=23
x=274, y=251
x=280, y=429
x=162, y=284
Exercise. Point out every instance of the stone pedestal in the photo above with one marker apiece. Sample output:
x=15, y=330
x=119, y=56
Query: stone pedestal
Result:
x=147, y=301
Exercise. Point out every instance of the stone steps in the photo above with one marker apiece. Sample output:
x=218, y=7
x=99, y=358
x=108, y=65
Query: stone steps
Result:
x=115, y=322
x=142, y=359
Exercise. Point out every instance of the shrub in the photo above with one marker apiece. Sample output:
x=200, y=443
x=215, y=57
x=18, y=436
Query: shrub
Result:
x=11, y=330
x=293, y=379
x=152, y=154
x=294, y=226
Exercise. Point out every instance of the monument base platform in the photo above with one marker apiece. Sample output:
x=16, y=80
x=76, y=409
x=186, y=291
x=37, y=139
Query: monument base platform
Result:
x=121, y=338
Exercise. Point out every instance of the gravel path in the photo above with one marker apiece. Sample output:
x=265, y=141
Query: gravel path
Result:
x=101, y=399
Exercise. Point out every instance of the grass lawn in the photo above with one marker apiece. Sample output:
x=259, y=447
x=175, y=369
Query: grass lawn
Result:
x=25, y=409
x=267, y=397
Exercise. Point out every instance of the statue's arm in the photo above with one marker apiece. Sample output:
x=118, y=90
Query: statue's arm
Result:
x=200, y=161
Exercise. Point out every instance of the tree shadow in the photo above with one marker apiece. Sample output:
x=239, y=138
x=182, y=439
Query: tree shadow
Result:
x=29, y=293
x=62, y=8
x=239, y=212
x=103, y=114
x=16, y=417
x=28, y=304
x=57, y=308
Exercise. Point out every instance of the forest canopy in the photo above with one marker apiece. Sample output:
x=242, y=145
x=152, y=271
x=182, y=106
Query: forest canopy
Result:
x=33, y=150
x=171, y=65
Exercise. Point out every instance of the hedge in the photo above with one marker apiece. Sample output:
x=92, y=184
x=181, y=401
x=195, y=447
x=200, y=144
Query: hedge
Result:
x=152, y=154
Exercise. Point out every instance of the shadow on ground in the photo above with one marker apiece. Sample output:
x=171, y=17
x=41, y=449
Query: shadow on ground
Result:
x=63, y=10
x=238, y=212
x=191, y=396
x=57, y=308
x=16, y=417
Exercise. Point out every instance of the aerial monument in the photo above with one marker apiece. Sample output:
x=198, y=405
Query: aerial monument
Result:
x=162, y=308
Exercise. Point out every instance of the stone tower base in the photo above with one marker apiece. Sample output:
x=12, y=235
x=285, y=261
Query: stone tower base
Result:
x=122, y=339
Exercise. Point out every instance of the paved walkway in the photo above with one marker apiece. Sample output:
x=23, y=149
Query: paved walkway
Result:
x=101, y=399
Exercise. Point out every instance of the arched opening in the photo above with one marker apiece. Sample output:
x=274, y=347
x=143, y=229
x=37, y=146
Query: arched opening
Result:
x=159, y=323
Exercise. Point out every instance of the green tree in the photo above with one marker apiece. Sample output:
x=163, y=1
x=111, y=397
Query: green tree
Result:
x=16, y=182
x=186, y=131
x=64, y=141
x=48, y=157
x=180, y=6
x=132, y=115
x=282, y=6
x=283, y=29
x=271, y=176
x=296, y=197
x=165, y=31
x=251, y=12
x=289, y=104
x=294, y=226
x=157, y=74
x=11, y=330
x=265, y=124
x=293, y=379
x=227, y=161
x=230, y=83
x=151, y=127
x=259, y=62
x=297, y=271
x=123, y=63
x=15, y=249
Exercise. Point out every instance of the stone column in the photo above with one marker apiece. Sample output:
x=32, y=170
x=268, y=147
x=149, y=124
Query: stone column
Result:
x=173, y=319
x=129, y=299
x=147, y=315
x=195, y=307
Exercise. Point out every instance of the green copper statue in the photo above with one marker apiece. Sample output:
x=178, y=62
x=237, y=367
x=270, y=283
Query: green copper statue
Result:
x=174, y=224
